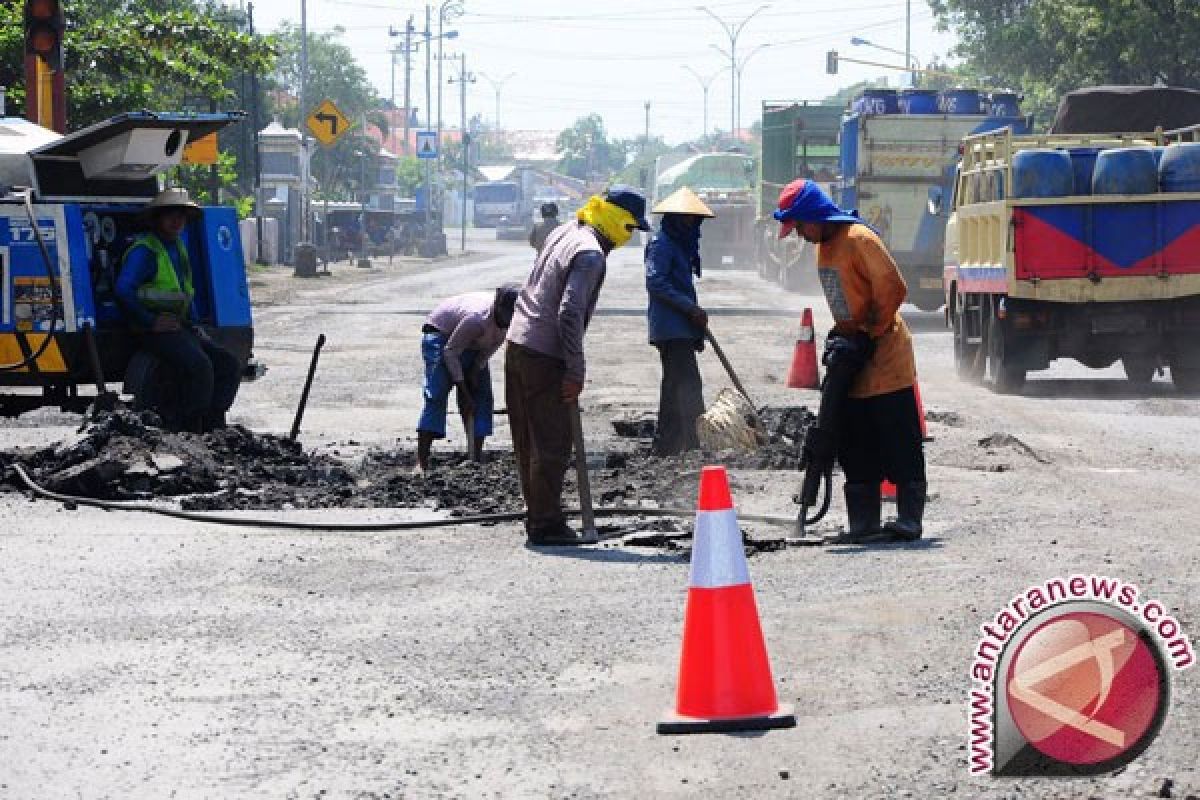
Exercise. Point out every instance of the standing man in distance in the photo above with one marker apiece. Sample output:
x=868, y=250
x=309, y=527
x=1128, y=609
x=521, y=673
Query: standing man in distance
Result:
x=677, y=322
x=544, y=367
x=549, y=221
x=880, y=434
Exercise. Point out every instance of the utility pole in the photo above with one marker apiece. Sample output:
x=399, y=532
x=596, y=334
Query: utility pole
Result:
x=912, y=76
x=646, y=140
x=428, y=106
x=408, y=49
x=256, y=121
x=733, y=31
x=464, y=78
x=304, y=165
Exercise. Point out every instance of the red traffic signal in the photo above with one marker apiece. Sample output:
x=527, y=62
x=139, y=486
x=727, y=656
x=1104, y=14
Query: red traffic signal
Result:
x=44, y=26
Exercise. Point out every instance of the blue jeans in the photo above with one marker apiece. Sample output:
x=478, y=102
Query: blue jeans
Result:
x=438, y=384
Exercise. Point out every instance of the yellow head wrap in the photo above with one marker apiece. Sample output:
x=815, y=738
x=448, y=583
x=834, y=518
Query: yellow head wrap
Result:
x=614, y=223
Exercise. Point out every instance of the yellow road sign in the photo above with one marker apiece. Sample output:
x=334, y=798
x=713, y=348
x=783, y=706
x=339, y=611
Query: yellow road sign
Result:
x=327, y=123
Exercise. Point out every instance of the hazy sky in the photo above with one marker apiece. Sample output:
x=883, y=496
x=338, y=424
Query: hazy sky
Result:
x=568, y=59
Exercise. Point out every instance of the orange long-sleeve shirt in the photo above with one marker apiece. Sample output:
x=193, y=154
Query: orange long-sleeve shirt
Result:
x=864, y=289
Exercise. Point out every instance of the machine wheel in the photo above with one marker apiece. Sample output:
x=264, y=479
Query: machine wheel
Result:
x=1139, y=368
x=1003, y=377
x=149, y=381
x=1186, y=379
x=966, y=361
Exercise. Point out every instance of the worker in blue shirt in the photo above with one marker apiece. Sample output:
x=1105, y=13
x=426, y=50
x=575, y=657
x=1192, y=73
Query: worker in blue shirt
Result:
x=676, y=320
x=155, y=292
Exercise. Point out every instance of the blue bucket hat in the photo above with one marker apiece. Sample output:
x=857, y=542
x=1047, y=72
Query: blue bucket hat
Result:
x=805, y=201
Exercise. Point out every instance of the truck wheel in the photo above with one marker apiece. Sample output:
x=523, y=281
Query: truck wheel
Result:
x=1140, y=368
x=1003, y=376
x=967, y=362
x=1186, y=379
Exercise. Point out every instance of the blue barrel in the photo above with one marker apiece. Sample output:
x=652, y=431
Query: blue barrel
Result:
x=1004, y=104
x=1083, y=163
x=1125, y=170
x=959, y=101
x=919, y=101
x=877, y=101
x=1180, y=168
x=1042, y=173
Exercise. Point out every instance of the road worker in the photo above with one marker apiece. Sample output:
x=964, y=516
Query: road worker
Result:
x=458, y=339
x=880, y=434
x=676, y=320
x=544, y=367
x=155, y=292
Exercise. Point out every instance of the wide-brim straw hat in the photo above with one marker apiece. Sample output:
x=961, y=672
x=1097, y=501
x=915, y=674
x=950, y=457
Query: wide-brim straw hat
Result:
x=175, y=197
x=683, y=201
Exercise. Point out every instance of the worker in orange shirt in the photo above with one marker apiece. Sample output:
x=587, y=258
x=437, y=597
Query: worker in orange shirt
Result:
x=880, y=431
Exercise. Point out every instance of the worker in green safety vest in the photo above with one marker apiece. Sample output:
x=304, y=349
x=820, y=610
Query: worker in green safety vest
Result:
x=156, y=293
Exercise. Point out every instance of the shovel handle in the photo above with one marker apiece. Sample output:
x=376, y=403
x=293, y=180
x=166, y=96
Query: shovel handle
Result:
x=581, y=476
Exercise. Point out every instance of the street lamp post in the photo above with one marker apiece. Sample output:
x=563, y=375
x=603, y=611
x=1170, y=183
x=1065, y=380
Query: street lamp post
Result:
x=910, y=61
x=705, y=83
x=497, y=87
x=449, y=9
x=733, y=31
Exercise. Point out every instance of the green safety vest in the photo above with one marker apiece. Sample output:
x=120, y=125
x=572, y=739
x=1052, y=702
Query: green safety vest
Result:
x=163, y=294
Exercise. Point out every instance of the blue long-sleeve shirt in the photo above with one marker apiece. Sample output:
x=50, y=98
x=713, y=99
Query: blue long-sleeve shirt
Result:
x=672, y=291
x=139, y=268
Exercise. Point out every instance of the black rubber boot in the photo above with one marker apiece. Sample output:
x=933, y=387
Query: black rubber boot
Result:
x=910, y=508
x=424, y=449
x=558, y=534
x=862, y=513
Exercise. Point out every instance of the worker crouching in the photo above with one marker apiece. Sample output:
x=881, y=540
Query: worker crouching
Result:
x=544, y=366
x=155, y=292
x=676, y=320
x=458, y=340
x=879, y=434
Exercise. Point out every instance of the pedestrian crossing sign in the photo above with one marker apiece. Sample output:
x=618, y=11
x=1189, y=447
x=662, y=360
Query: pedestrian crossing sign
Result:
x=427, y=145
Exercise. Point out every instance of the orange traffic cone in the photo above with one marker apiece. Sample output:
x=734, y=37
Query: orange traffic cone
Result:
x=921, y=410
x=803, y=372
x=725, y=681
x=887, y=491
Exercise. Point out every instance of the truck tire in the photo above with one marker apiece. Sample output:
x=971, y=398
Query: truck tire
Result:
x=967, y=361
x=1186, y=379
x=1139, y=368
x=1003, y=376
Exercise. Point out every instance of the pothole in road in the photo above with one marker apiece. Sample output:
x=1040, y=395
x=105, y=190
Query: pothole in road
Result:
x=124, y=455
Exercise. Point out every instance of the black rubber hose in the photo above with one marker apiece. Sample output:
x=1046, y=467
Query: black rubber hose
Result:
x=355, y=527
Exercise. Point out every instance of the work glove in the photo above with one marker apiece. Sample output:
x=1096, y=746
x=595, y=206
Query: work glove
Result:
x=698, y=317
x=466, y=405
x=852, y=351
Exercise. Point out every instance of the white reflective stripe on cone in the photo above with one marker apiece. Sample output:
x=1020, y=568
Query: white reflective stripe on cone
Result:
x=718, y=559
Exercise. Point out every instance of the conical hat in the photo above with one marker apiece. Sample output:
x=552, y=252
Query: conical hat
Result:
x=683, y=201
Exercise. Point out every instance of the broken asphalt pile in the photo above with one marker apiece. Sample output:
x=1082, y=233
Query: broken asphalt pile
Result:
x=125, y=455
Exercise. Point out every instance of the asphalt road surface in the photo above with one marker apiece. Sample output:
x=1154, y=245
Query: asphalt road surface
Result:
x=144, y=657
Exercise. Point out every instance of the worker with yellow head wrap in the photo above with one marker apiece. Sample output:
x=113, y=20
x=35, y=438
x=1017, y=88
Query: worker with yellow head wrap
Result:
x=544, y=365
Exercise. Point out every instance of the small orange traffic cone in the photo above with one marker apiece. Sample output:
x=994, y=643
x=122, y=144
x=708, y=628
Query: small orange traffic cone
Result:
x=921, y=411
x=725, y=681
x=803, y=372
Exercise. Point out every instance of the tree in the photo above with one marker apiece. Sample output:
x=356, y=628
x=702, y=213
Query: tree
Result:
x=586, y=151
x=1048, y=47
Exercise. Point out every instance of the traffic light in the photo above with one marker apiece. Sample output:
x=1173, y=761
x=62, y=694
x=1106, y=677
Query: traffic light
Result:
x=44, y=26
x=831, y=62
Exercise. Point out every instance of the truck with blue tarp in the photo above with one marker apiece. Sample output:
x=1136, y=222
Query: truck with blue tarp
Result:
x=70, y=208
x=1076, y=245
x=897, y=155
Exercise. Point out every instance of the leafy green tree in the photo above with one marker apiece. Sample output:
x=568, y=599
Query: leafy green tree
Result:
x=586, y=150
x=1048, y=47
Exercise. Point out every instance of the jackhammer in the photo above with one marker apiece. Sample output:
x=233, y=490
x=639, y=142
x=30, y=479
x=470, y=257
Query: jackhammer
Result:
x=844, y=358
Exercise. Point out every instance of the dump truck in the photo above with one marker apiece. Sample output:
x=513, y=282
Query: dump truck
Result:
x=725, y=182
x=799, y=140
x=70, y=207
x=1075, y=245
x=899, y=148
